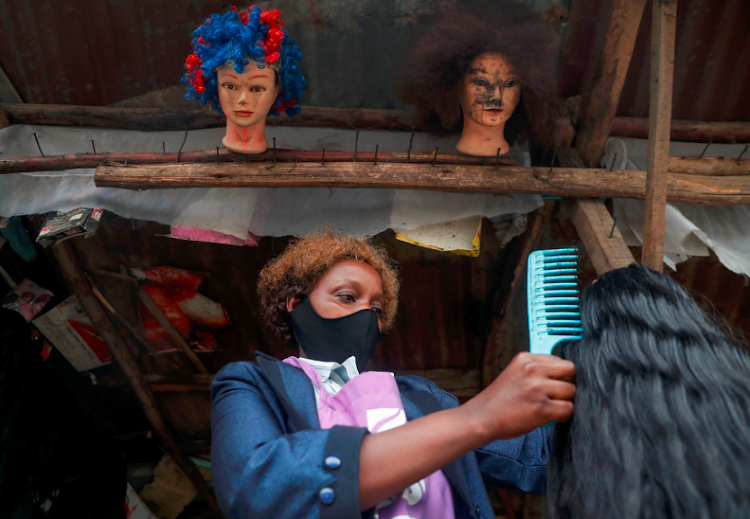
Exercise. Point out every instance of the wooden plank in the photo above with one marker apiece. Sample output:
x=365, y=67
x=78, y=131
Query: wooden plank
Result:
x=600, y=104
x=599, y=235
x=71, y=270
x=91, y=160
x=690, y=189
x=663, y=28
x=152, y=119
x=165, y=323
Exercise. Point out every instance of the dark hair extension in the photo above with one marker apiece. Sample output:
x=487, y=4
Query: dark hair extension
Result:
x=661, y=427
x=448, y=39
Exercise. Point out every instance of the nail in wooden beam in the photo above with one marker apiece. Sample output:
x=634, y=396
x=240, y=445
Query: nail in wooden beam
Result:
x=71, y=270
x=164, y=321
x=663, y=30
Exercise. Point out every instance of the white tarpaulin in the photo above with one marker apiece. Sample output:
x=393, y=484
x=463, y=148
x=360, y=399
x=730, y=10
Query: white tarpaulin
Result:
x=690, y=229
x=234, y=211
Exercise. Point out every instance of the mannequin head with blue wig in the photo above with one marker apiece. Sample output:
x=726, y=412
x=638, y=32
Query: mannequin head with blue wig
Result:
x=247, y=68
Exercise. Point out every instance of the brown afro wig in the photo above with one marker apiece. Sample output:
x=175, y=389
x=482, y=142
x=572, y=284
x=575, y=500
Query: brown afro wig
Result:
x=447, y=40
x=298, y=269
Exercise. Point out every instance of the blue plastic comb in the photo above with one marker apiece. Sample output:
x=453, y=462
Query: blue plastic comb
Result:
x=553, y=299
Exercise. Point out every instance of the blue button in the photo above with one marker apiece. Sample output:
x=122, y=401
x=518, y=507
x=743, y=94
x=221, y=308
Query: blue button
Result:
x=327, y=496
x=333, y=462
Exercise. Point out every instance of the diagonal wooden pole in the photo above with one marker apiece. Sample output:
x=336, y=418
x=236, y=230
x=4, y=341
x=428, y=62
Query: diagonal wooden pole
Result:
x=660, y=114
x=71, y=270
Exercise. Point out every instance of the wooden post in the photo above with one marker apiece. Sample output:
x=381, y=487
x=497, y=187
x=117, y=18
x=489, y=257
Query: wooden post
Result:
x=71, y=270
x=660, y=115
x=600, y=105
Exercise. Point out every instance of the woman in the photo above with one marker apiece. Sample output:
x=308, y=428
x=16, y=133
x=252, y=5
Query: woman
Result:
x=293, y=438
x=662, y=422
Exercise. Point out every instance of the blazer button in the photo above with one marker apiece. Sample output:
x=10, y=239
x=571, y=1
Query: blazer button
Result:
x=333, y=462
x=327, y=496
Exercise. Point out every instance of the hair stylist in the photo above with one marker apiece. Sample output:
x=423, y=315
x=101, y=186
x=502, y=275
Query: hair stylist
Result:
x=313, y=436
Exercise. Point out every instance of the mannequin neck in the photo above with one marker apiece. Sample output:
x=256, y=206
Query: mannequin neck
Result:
x=249, y=140
x=480, y=140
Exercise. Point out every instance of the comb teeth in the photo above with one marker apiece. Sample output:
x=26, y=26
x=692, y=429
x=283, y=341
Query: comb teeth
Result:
x=554, y=298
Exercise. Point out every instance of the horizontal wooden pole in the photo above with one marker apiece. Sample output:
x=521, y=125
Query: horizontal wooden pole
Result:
x=90, y=160
x=719, y=166
x=149, y=119
x=577, y=182
x=690, y=131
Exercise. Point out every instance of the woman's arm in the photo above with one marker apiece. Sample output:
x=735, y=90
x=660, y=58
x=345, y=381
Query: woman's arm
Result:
x=532, y=391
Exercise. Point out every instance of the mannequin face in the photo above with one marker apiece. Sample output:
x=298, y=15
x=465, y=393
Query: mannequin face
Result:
x=246, y=98
x=491, y=90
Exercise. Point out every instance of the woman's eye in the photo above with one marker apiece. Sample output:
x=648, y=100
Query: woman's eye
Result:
x=229, y=87
x=348, y=298
x=257, y=89
x=511, y=83
x=480, y=82
x=378, y=311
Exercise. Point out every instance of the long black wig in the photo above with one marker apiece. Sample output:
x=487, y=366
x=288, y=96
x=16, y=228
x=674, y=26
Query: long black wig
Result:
x=661, y=426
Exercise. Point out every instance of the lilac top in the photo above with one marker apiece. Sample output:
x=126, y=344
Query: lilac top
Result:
x=372, y=400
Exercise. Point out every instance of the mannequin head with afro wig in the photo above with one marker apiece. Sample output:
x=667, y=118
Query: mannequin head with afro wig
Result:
x=246, y=67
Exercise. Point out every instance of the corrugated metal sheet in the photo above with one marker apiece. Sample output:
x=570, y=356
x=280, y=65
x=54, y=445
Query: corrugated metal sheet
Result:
x=712, y=59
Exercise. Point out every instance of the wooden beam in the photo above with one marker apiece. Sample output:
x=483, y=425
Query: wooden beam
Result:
x=165, y=323
x=90, y=160
x=600, y=104
x=196, y=118
x=150, y=119
x=689, y=131
x=690, y=189
x=599, y=235
x=71, y=270
x=719, y=166
x=663, y=28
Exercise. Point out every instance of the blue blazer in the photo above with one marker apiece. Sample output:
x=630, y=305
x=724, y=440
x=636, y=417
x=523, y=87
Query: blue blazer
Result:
x=270, y=459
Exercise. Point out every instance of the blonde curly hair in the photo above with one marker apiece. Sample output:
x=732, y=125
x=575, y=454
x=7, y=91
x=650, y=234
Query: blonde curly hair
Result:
x=298, y=268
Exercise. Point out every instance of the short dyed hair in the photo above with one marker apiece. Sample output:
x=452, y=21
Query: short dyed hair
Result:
x=296, y=271
x=236, y=36
x=447, y=40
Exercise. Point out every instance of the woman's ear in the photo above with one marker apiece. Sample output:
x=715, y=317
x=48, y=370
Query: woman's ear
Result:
x=291, y=302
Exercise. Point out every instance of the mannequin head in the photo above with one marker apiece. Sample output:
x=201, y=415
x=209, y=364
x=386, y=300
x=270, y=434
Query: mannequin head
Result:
x=250, y=46
x=466, y=59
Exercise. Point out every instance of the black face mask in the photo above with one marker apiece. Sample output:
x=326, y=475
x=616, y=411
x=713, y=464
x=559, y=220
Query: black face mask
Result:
x=335, y=340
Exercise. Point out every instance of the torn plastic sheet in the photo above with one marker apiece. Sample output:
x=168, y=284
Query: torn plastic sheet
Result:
x=690, y=229
x=235, y=211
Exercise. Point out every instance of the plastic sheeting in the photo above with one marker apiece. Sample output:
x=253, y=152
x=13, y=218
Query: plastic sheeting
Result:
x=690, y=229
x=235, y=211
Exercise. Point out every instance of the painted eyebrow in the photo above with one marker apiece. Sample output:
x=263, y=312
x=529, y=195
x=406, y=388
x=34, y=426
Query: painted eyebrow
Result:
x=477, y=70
x=259, y=75
x=231, y=75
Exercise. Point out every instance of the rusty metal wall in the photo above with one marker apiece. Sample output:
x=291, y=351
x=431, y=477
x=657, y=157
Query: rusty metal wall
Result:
x=712, y=58
x=98, y=53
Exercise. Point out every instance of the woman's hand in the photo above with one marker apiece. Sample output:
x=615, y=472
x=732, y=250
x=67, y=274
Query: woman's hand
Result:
x=532, y=391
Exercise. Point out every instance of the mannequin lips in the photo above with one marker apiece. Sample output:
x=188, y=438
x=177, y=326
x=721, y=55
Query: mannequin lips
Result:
x=243, y=113
x=496, y=111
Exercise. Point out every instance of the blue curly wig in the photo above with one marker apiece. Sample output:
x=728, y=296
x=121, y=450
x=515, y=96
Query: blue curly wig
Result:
x=236, y=36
